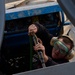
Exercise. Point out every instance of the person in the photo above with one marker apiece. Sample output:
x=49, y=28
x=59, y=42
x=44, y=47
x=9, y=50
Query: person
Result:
x=55, y=50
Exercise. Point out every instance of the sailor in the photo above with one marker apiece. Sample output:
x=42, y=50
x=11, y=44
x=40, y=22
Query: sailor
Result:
x=56, y=50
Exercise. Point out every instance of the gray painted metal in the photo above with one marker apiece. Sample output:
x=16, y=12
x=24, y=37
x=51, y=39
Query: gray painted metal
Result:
x=68, y=7
x=2, y=15
x=62, y=69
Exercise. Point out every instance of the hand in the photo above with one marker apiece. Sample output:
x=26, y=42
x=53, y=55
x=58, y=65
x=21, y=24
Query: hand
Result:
x=32, y=29
x=38, y=47
x=39, y=40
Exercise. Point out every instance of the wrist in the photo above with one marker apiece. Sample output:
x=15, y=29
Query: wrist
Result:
x=45, y=58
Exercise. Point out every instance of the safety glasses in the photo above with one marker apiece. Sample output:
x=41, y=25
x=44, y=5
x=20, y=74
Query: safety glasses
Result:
x=61, y=47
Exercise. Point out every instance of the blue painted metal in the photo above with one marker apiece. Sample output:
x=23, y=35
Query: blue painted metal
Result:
x=23, y=38
x=62, y=16
x=28, y=11
x=67, y=23
x=22, y=12
x=31, y=12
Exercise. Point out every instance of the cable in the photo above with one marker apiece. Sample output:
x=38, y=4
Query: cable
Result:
x=40, y=54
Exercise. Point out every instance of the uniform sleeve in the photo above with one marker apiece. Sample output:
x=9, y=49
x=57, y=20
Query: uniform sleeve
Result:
x=43, y=34
x=50, y=62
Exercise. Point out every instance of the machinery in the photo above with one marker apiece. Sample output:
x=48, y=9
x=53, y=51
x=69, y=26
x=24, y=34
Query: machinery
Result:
x=15, y=46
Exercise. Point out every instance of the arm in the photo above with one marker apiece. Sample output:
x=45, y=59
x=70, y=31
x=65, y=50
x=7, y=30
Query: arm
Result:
x=41, y=33
x=50, y=62
x=41, y=30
